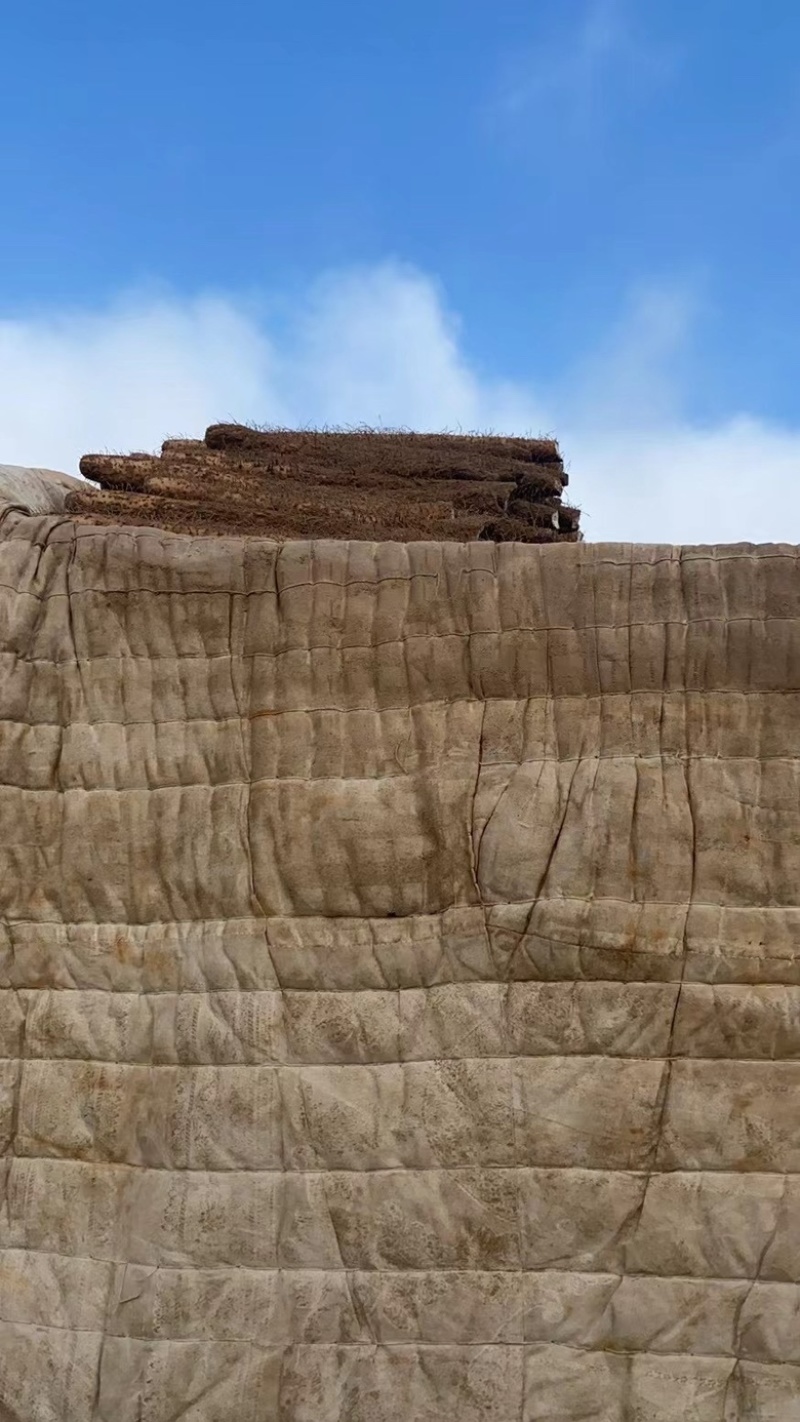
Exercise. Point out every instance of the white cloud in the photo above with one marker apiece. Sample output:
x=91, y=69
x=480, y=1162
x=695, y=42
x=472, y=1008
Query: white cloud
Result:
x=73, y=381
x=378, y=346
x=578, y=58
x=565, y=82
x=736, y=482
x=643, y=469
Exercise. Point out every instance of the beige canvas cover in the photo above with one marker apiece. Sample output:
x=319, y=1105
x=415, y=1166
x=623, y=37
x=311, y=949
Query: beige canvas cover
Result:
x=399, y=980
x=37, y=490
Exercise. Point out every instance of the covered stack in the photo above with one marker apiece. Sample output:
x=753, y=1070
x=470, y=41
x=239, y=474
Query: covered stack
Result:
x=366, y=485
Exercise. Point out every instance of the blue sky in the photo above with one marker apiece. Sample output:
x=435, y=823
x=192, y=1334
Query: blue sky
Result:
x=579, y=215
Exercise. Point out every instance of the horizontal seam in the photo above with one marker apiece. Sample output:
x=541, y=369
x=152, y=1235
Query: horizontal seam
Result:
x=280, y=1172
x=545, y=698
x=489, y=906
x=516, y=1272
x=445, y=575
x=735, y=1177
x=496, y=985
x=274, y=1064
x=428, y=767
x=340, y=650
x=436, y=914
x=370, y=1347
x=421, y=987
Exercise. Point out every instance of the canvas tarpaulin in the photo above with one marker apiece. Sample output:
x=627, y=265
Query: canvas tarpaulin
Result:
x=399, y=980
x=37, y=490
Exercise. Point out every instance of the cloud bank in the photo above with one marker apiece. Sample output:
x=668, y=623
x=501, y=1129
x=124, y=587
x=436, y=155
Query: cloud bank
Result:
x=380, y=347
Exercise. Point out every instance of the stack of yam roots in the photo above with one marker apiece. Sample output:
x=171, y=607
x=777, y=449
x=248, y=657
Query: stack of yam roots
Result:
x=362, y=485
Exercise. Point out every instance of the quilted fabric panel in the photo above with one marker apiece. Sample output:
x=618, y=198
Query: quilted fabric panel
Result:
x=399, y=980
